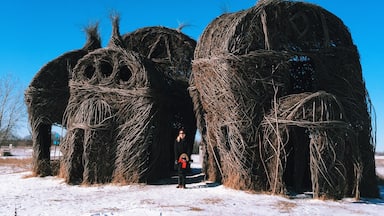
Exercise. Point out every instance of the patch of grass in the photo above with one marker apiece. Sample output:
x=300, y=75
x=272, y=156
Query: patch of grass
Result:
x=196, y=209
x=379, y=162
x=15, y=165
x=55, y=166
x=285, y=207
x=16, y=162
x=212, y=200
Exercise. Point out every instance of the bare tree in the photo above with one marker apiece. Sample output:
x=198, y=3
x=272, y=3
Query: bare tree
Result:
x=12, y=108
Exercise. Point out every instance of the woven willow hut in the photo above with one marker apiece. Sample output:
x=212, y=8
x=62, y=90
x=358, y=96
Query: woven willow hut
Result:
x=172, y=53
x=123, y=109
x=47, y=97
x=281, y=102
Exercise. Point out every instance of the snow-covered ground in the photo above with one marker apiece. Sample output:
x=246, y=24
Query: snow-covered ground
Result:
x=22, y=195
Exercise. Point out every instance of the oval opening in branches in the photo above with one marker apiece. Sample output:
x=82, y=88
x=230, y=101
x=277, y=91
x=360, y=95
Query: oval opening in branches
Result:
x=125, y=74
x=106, y=69
x=89, y=71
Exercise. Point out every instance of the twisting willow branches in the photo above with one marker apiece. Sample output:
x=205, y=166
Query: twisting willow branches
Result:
x=278, y=89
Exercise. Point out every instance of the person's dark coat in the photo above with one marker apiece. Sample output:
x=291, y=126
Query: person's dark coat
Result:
x=181, y=147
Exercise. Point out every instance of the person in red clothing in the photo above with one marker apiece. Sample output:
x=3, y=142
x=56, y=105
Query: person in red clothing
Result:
x=182, y=169
x=182, y=155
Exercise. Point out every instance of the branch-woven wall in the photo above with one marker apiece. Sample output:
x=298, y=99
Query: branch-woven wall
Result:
x=281, y=102
x=122, y=108
x=47, y=97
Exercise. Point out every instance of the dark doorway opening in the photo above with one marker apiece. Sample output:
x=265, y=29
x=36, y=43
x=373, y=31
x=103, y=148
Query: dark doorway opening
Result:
x=297, y=174
x=44, y=138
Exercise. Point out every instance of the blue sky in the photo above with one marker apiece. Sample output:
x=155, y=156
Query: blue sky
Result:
x=34, y=32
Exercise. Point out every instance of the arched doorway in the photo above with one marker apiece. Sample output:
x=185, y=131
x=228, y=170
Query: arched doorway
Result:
x=297, y=174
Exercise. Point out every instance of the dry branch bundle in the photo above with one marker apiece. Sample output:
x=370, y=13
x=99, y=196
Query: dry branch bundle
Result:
x=170, y=49
x=122, y=106
x=280, y=99
x=111, y=115
x=47, y=97
x=123, y=112
x=172, y=53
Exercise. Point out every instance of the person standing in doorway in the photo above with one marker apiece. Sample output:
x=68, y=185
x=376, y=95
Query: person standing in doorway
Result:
x=182, y=155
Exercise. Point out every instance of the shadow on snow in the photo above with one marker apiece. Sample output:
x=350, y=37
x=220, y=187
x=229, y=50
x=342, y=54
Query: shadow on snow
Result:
x=194, y=177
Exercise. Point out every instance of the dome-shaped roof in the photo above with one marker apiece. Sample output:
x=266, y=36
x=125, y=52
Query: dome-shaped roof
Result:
x=273, y=25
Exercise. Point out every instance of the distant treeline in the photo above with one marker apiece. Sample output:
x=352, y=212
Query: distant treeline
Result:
x=17, y=142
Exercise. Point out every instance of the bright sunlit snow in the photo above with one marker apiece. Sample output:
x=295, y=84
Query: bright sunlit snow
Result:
x=23, y=195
